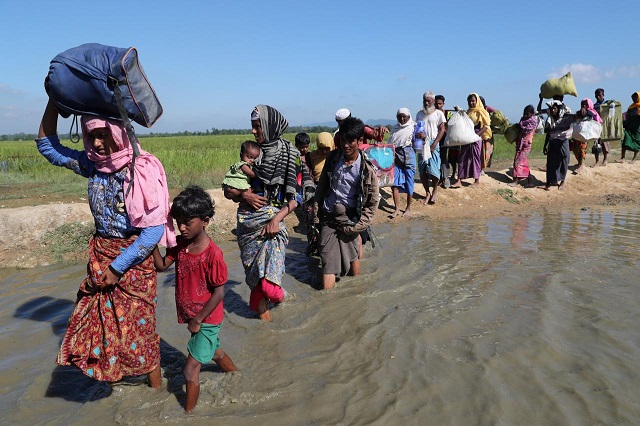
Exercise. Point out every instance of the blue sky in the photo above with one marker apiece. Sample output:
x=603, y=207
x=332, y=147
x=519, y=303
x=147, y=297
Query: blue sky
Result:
x=211, y=62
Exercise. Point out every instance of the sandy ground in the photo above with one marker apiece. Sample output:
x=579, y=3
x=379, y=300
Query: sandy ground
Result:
x=23, y=229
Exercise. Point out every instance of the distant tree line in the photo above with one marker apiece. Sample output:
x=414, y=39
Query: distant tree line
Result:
x=213, y=131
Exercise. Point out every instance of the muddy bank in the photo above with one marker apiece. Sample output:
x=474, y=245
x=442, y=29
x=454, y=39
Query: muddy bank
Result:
x=49, y=233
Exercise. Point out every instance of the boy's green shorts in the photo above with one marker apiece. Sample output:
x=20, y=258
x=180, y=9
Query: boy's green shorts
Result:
x=204, y=343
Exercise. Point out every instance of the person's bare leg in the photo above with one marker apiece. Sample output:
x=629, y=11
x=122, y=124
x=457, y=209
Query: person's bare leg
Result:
x=407, y=211
x=328, y=281
x=635, y=156
x=224, y=361
x=624, y=151
x=263, y=310
x=604, y=158
x=360, y=248
x=355, y=268
x=154, y=377
x=425, y=182
x=396, y=204
x=434, y=195
x=561, y=186
x=191, y=374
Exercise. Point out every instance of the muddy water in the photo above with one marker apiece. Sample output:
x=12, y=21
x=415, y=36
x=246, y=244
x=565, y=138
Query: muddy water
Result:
x=526, y=320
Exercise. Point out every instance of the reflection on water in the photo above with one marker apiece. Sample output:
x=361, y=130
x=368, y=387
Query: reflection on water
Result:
x=524, y=320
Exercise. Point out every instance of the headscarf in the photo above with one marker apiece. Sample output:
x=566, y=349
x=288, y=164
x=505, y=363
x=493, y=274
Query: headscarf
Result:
x=279, y=159
x=480, y=116
x=590, y=107
x=635, y=105
x=318, y=156
x=529, y=125
x=147, y=201
x=401, y=134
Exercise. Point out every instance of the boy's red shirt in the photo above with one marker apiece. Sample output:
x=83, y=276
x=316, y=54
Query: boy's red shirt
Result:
x=196, y=277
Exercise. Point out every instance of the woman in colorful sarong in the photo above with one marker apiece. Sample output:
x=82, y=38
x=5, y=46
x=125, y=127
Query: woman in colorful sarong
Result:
x=528, y=124
x=631, y=123
x=112, y=330
x=556, y=144
x=404, y=169
x=470, y=157
x=262, y=235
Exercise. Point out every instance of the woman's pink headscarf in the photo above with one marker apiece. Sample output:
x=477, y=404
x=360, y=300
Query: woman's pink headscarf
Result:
x=147, y=202
x=590, y=107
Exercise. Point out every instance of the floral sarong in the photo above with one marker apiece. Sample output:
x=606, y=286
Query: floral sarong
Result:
x=261, y=257
x=112, y=331
x=521, y=168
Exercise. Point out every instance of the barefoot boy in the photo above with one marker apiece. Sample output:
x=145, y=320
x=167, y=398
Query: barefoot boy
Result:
x=200, y=277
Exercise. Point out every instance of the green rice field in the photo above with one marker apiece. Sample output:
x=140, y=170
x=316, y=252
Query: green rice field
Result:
x=199, y=160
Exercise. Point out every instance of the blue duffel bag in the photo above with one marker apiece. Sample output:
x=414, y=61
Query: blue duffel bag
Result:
x=102, y=80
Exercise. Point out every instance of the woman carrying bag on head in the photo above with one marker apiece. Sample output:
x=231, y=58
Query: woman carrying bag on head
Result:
x=112, y=330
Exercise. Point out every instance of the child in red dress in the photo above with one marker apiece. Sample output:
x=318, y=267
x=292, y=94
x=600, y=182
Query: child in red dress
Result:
x=200, y=277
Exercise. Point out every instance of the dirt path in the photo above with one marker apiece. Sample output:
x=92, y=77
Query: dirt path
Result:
x=26, y=232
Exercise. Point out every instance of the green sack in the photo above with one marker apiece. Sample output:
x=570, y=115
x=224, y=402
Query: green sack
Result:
x=499, y=122
x=512, y=132
x=559, y=86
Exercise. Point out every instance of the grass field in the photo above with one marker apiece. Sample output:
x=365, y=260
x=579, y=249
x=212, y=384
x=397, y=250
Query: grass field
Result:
x=199, y=160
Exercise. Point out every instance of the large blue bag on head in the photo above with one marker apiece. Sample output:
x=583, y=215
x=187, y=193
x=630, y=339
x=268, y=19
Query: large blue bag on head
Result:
x=86, y=80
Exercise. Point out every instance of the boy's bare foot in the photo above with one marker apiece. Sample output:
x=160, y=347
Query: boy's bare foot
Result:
x=458, y=184
x=474, y=185
x=561, y=187
x=604, y=163
x=579, y=169
x=597, y=165
x=395, y=213
x=513, y=184
x=621, y=161
x=406, y=213
x=546, y=187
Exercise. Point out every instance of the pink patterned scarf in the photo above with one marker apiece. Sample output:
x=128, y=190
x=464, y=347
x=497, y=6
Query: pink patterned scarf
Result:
x=147, y=202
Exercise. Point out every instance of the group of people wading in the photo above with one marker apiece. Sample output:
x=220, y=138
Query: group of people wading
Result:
x=111, y=332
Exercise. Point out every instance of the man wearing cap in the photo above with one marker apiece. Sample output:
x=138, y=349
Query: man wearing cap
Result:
x=370, y=133
x=434, y=124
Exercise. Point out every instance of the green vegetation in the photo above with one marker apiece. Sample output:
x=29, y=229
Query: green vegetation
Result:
x=68, y=242
x=511, y=196
x=200, y=160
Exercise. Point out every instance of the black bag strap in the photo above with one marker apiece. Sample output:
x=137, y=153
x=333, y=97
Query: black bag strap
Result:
x=127, y=125
x=74, y=137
